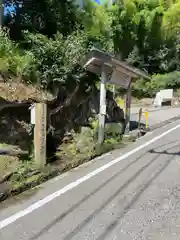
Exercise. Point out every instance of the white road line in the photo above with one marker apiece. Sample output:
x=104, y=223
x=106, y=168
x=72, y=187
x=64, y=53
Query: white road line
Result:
x=4, y=223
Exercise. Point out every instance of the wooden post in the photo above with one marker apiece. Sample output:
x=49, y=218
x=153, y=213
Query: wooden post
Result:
x=40, y=134
x=139, y=120
x=128, y=107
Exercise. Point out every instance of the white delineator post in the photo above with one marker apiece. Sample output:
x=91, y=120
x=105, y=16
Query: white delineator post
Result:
x=102, y=106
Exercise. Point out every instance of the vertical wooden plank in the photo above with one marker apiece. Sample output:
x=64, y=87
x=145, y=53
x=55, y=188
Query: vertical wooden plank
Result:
x=40, y=134
x=128, y=106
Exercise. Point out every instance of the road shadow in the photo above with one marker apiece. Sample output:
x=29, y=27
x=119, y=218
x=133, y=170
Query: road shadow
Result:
x=134, y=125
x=165, y=152
x=168, y=151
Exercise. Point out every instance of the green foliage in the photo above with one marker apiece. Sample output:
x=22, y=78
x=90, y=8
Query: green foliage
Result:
x=56, y=58
x=97, y=21
x=137, y=28
x=112, y=130
x=158, y=82
x=43, y=16
x=171, y=19
x=50, y=37
x=12, y=59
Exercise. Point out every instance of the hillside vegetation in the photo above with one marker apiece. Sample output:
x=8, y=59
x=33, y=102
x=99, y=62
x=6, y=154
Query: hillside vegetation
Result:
x=43, y=44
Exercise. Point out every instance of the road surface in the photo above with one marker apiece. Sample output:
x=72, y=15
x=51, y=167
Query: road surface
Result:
x=156, y=115
x=128, y=194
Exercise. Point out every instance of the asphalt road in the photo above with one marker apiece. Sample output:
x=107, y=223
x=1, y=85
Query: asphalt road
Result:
x=156, y=115
x=128, y=194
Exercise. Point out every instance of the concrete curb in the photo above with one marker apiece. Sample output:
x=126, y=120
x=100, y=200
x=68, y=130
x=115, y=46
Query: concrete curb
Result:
x=43, y=177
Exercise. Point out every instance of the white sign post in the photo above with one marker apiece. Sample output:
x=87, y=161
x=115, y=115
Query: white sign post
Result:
x=112, y=71
x=128, y=106
x=102, y=106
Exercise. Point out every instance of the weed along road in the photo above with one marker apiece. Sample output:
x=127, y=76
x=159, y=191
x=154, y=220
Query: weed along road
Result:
x=127, y=194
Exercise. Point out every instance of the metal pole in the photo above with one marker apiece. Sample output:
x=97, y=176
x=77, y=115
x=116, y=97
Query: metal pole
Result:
x=114, y=91
x=102, y=107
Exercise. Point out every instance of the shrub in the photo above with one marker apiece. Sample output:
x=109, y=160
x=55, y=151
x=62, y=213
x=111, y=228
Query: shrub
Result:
x=57, y=58
x=159, y=81
x=12, y=59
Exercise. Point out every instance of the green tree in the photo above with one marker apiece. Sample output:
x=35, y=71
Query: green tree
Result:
x=143, y=32
x=138, y=38
x=171, y=20
x=97, y=20
x=43, y=16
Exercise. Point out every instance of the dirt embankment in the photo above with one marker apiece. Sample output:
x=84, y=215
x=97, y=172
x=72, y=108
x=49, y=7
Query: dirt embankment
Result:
x=71, y=117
